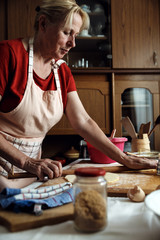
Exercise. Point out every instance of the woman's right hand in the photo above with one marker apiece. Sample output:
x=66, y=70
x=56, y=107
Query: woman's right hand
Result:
x=135, y=162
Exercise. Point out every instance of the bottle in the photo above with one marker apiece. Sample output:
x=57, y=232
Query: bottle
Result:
x=90, y=199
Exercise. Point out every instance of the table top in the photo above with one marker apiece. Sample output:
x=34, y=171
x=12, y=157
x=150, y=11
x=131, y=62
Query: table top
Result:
x=126, y=220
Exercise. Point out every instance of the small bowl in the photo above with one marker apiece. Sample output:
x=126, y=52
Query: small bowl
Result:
x=71, y=153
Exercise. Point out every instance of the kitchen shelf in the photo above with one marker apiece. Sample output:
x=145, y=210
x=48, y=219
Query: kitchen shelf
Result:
x=93, y=50
x=136, y=105
x=91, y=38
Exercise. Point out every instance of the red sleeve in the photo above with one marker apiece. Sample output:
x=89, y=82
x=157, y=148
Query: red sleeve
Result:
x=7, y=65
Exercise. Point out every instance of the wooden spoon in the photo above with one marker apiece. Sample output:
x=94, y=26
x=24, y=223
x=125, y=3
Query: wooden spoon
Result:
x=141, y=130
x=113, y=133
x=146, y=127
x=155, y=124
x=128, y=125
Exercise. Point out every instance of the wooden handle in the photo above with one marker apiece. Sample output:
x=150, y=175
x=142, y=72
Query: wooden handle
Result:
x=113, y=169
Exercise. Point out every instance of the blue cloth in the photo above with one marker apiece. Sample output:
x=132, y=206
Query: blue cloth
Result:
x=8, y=200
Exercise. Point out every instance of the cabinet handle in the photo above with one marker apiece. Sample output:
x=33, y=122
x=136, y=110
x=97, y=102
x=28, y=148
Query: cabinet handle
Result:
x=155, y=58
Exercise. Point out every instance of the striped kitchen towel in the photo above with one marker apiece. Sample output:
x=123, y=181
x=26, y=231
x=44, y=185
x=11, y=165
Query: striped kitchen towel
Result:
x=24, y=200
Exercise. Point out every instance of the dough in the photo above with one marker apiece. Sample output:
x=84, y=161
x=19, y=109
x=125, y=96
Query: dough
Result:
x=70, y=178
x=109, y=177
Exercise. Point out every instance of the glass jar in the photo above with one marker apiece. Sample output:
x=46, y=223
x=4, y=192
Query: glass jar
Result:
x=90, y=204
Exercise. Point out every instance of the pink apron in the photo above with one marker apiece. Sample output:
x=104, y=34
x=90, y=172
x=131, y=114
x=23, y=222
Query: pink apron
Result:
x=26, y=126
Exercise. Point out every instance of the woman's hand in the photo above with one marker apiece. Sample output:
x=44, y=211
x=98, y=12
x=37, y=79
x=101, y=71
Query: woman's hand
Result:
x=139, y=162
x=43, y=167
x=89, y=130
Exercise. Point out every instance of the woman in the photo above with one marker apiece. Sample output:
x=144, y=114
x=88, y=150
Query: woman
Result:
x=36, y=87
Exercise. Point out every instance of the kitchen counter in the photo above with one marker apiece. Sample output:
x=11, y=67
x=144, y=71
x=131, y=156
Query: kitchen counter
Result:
x=126, y=220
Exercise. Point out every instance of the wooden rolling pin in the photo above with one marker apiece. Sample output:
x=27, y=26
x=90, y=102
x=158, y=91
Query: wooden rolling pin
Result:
x=113, y=169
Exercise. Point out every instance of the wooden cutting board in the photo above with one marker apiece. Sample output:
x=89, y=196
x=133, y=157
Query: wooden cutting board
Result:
x=23, y=221
x=148, y=181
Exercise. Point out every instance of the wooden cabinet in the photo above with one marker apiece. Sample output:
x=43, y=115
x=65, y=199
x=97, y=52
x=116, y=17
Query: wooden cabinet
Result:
x=93, y=47
x=135, y=33
x=21, y=16
x=94, y=92
x=121, y=82
x=17, y=18
x=135, y=28
x=3, y=29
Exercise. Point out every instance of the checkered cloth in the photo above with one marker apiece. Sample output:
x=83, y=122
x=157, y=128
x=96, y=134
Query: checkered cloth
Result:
x=25, y=200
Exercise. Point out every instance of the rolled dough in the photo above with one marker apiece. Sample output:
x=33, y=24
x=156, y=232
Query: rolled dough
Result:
x=109, y=177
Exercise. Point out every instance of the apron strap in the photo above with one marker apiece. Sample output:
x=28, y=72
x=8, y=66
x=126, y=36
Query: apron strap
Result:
x=30, y=70
x=55, y=67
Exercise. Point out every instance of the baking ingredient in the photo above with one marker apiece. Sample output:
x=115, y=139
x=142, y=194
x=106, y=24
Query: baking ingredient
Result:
x=70, y=178
x=136, y=194
x=90, y=211
x=109, y=177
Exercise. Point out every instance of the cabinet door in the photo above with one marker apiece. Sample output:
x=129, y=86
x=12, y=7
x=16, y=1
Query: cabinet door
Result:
x=21, y=16
x=148, y=82
x=93, y=91
x=135, y=33
x=3, y=20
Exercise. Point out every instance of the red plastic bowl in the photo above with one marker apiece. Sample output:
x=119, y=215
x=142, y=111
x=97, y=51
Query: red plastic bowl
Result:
x=98, y=157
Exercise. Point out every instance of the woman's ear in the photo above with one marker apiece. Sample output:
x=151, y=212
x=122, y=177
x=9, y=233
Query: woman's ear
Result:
x=42, y=22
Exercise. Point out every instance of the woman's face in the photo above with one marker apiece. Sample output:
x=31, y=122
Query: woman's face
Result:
x=59, y=39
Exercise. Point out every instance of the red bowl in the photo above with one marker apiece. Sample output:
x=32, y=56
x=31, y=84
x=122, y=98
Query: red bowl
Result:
x=98, y=157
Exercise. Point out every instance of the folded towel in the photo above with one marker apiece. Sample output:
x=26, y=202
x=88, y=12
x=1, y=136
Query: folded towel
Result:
x=24, y=200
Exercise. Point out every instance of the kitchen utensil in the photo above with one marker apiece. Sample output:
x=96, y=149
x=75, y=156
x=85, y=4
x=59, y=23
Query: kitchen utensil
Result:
x=114, y=169
x=140, y=133
x=150, y=155
x=141, y=144
x=128, y=125
x=98, y=157
x=155, y=124
x=146, y=127
x=113, y=133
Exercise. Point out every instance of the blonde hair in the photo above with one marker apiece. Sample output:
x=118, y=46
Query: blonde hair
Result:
x=61, y=12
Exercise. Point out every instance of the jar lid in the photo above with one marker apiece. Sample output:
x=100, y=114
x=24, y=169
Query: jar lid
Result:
x=90, y=172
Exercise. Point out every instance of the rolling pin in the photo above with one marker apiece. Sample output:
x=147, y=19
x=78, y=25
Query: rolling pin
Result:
x=113, y=169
